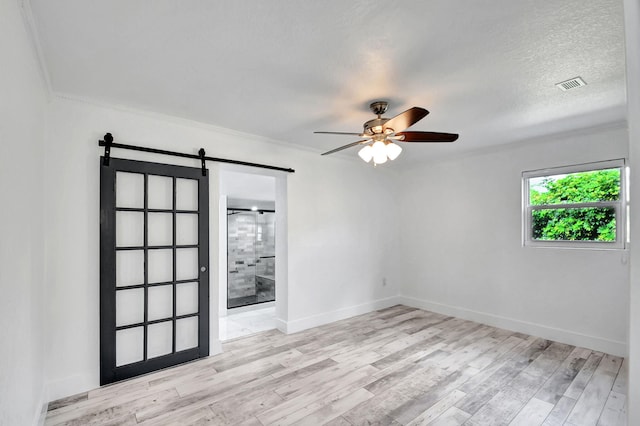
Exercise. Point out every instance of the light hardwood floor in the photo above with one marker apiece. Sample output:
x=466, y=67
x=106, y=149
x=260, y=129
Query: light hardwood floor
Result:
x=396, y=366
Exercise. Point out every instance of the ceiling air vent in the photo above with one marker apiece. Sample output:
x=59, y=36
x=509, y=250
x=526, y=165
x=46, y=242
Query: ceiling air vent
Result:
x=571, y=84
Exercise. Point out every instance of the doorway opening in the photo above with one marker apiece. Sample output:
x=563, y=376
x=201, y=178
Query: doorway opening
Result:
x=252, y=238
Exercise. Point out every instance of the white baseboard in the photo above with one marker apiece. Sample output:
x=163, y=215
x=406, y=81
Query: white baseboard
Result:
x=281, y=325
x=215, y=347
x=600, y=344
x=41, y=407
x=305, y=323
x=72, y=385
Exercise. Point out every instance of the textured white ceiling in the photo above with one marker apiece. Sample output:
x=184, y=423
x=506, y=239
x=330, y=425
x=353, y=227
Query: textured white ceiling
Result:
x=282, y=69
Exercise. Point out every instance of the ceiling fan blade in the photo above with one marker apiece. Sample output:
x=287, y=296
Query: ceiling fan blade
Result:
x=345, y=147
x=405, y=119
x=340, y=133
x=427, y=137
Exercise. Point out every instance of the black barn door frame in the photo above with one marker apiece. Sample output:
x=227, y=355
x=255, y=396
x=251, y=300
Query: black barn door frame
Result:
x=109, y=372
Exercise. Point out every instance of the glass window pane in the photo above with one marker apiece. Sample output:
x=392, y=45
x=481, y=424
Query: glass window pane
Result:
x=187, y=298
x=129, y=229
x=160, y=339
x=581, y=187
x=186, y=333
x=187, y=264
x=129, y=306
x=160, y=265
x=160, y=231
x=160, y=302
x=129, y=190
x=129, y=267
x=186, y=194
x=129, y=345
x=583, y=224
x=160, y=192
x=186, y=229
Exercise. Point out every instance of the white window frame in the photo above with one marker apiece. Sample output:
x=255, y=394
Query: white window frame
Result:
x=621, y=207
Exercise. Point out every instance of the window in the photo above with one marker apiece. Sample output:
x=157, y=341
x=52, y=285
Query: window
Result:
x=582, y=206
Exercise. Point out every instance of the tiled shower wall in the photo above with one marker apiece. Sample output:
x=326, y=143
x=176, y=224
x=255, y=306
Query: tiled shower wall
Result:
x=266, y=245
x=241, y=229
x=250, y=235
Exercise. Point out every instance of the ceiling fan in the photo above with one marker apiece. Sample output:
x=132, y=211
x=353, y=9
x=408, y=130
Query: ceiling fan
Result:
x=380, y=134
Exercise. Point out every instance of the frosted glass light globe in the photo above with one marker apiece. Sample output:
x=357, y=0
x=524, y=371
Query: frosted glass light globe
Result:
x=393, y=150
x=379, y=149
x=379, y=159
x=366, y=153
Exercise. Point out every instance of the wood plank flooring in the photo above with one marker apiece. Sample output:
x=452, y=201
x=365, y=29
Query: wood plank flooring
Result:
x=396, y=366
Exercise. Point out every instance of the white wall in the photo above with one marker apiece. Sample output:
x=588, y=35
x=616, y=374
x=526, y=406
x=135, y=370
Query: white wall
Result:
x=350, y=227
x=22, y=128
x=463, y=255
x=341, y=236
x=343, y=221
x=632, y=36
x=343, y=226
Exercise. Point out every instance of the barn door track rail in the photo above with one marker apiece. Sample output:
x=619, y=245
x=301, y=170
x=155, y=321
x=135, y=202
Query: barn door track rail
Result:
x=108, y=143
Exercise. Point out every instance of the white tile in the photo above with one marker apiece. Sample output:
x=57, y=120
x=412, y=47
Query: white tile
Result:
x=246, y=323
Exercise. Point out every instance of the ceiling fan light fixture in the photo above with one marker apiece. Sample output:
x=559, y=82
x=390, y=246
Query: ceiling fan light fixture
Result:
x=379, y=149
x=380, y=158
x=366, y=153
x=393, y=150
x=379, y=134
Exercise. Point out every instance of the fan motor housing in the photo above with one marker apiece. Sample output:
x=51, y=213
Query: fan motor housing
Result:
x=375, y=126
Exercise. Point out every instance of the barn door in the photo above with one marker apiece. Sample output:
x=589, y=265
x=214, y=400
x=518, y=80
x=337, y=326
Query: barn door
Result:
x=154, y=267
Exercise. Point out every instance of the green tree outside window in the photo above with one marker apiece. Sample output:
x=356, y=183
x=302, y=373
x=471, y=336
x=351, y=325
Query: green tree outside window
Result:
x=582, y=223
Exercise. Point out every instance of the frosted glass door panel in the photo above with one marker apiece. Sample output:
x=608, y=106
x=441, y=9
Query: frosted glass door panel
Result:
x=186, y=333
x=129, y=345
x=129, y=307
x=129, y=229
x=129, y=190
x=187, y=264
x=160, y=339
x=186, y=298
x=186, y=194
x=160, y=265
x=160, y=302
x=160, y=231
x=129, y=267
x=160, y=192
x=186, y=229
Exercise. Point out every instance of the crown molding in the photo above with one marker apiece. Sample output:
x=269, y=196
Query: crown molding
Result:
x=34, y=37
